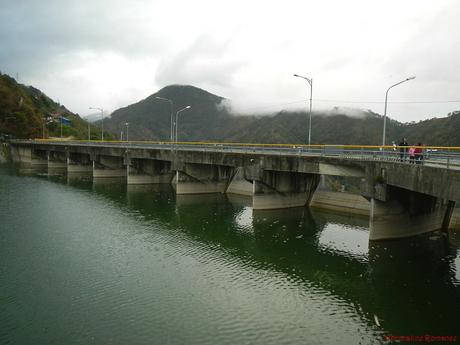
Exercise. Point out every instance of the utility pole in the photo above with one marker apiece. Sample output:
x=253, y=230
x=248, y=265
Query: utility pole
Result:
x=310, y=81
x=385, y=111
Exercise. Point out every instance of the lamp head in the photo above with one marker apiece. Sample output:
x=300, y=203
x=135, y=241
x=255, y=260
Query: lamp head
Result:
x=411, y=78
x=163, y=99
x=188, y=107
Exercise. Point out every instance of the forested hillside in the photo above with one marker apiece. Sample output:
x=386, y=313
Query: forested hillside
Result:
x=209, y=120
x=26, y=112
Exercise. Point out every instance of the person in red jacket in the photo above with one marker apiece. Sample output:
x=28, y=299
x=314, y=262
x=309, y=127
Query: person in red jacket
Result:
x=418, y=154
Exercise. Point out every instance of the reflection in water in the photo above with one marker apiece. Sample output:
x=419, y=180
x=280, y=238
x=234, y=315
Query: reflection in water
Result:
x=109, y=180
x=32, y=170
x=345, y=239
x=343, y=234
x=78, y=177
x=243, y=220
x=208, y=269
x=417, y=274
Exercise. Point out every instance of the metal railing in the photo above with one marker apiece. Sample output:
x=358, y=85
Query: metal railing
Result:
x=436, y=156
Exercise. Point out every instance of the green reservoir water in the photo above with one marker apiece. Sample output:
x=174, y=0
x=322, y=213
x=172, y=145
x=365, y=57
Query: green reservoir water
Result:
x=104, y=263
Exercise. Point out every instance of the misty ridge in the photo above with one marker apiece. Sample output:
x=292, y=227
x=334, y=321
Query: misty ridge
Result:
x=215, y=118
x=236, y=109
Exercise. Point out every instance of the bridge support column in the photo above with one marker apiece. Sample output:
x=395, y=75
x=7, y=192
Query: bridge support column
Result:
x=405, y=213
x=26, y=155
x=57, y=162
x=455, y=219
x=30, y=160
x=79, y=164
x=108, y=166
x=148, y=171
x=239, y=184
x=202, y=178
x=276, y=190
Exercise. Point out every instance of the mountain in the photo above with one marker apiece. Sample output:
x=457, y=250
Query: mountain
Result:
x=442, y=131
x=93, y=117
x=149, y=119
x=26, y=112
x=209, y=120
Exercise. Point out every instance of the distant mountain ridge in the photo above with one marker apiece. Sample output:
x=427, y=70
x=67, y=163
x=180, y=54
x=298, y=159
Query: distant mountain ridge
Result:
x=209, y=120
x=93, y=117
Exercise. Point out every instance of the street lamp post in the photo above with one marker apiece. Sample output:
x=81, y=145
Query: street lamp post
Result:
x=102, y=120
x=171, y=108
x=89, y=132
x=175, y=150
x=45, y=123
x=385, y=112
x=310, y=81
x=177, y=119
x=127, y=132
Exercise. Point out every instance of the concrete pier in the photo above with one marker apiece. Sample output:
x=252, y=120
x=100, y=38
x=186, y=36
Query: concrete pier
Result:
x=57, y=162
x=108, y=166
x=401, y=199
x=406, y=213
x=341, y=202
x=201, y=179
x=239, y=185
x=28, y=156
x=455, y=219
x=283, y=190
x=79, y=163
x=147, y=171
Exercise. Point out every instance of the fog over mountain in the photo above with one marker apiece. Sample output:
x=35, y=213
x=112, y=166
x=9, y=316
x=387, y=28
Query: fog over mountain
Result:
x=210, y=118
x=111, y=53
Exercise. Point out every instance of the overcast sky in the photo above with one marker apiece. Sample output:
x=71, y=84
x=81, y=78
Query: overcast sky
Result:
x=112, y=53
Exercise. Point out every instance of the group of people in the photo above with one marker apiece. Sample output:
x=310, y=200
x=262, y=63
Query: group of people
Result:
x=414, y=153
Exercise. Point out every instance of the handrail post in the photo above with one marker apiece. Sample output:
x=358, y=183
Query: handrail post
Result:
x=448, y=158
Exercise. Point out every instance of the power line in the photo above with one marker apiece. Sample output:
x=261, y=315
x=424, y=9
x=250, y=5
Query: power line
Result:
x=272, y=105
x=347, y=102
x=381, y=102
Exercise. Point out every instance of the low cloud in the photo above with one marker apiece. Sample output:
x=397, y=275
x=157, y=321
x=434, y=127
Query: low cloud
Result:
x=351, y=112
x=110, y=53
x=205, y=63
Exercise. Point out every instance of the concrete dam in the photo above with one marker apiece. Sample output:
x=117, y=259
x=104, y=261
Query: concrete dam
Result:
x=403, y=199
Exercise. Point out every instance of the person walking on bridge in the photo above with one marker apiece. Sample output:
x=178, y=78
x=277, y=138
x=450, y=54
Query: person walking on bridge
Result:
x=411, y=155
x=403, y=147
x=419, y=154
